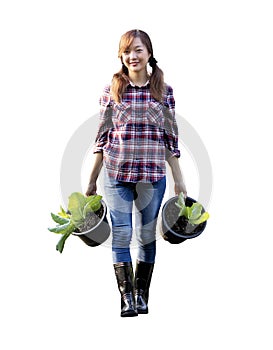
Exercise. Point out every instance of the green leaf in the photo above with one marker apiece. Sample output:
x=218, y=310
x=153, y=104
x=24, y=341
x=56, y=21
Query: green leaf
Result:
x=76, y=205
x=204, y=217
x=63, y=213
x=184, y=210
x=181, y=200
x=62, y=229
x=79, y=206
x=86, y=210
x=61, y=243
x=187, y=212
x=94, y=202
x=195, y=211
x=59, y=219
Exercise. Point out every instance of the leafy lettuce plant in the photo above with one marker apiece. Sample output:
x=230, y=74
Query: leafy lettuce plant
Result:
x=193, y=214
x=79, y=207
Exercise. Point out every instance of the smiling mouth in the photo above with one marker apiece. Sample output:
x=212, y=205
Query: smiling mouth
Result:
x=133, y=63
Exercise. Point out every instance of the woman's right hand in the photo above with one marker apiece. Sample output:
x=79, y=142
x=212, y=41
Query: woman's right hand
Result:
x=91, y=189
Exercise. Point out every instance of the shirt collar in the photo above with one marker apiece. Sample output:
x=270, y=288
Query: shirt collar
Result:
x=133, y=85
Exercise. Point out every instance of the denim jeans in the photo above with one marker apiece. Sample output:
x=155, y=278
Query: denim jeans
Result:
x=147, y=197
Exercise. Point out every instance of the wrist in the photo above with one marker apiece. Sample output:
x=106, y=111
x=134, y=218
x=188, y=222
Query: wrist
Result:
x=91, y=182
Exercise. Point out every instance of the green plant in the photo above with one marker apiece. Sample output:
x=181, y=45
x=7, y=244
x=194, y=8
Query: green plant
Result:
x=80, y=208
x=193, y=214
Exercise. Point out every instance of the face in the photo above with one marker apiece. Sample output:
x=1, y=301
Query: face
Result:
x=136, y=56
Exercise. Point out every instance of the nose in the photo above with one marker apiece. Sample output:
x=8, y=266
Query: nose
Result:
x=133, y=54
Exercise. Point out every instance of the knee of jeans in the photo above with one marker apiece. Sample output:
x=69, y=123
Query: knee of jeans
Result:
x=146, y=236
x=121, y=236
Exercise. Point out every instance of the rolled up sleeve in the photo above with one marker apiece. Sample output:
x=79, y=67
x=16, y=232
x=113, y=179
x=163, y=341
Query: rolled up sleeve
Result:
x=105, y=121
x=170, y=126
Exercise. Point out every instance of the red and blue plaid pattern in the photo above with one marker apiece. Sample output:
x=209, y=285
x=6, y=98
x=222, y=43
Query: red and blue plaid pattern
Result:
x=137, y=135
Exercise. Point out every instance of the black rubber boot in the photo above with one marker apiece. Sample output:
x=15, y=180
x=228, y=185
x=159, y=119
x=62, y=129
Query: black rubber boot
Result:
x=143, y=278
x=125, y=280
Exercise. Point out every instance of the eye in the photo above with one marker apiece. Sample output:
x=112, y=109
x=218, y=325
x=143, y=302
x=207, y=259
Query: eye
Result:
x=126, y=52
x=139, y=50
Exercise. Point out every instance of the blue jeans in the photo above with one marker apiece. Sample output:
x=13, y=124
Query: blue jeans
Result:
x=147, y=198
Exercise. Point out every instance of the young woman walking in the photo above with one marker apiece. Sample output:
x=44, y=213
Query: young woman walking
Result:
x=137, y=135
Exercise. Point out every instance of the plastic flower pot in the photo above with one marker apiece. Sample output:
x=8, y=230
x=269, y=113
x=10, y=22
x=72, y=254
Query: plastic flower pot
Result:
x=97, y=234
x=170, y=229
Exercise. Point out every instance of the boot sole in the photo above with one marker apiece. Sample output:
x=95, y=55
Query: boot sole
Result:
x=129, y=314
x=142, y=312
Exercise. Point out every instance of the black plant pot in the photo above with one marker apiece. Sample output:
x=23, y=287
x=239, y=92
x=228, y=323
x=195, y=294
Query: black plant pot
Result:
x=169, y=218
x=97, y=234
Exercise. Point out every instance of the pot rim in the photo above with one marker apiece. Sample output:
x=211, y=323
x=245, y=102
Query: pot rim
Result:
x=94, y=227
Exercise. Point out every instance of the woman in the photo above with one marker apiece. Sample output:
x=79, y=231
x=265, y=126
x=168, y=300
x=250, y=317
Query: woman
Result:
x=137, y=134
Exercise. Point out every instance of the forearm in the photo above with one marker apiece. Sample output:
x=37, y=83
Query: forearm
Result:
x=175, y=168
x=95, y=171
x=177, y=175
x=96, y=167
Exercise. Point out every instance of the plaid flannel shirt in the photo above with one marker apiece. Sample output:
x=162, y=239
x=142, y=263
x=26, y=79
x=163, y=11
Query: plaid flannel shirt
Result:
x=137, y=135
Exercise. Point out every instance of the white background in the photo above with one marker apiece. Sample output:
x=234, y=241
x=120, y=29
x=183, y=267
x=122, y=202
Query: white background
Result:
x=214, y=292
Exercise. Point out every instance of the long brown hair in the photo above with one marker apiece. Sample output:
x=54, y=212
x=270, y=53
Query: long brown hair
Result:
x=121, y=80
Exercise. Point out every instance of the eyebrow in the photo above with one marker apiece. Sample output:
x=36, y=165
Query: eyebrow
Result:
x=135, y=47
